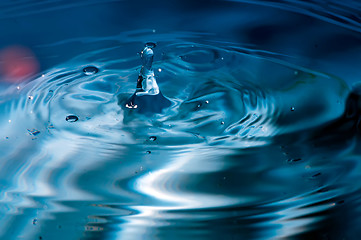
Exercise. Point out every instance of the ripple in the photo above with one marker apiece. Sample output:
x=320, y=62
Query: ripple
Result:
x=213, y=158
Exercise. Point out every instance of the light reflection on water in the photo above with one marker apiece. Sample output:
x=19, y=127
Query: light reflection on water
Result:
x=257, y=143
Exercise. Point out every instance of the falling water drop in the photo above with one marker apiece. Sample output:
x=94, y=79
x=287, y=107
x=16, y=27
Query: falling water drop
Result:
x=90, y=70
x=71, y=118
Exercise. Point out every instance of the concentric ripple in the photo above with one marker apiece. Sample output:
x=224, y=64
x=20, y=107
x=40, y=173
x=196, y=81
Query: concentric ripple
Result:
x=214, y=156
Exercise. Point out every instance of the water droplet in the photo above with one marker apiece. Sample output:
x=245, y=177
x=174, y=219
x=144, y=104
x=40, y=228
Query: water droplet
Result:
x=152, y=138
x=18, y=87
x=6, y=137
x=71, y=118
x=206, y=101
x=199, y=105
x=150, y=44
x=292, y=109
x=30, y=97
x=33, y=132
x=42, y=75
x=9, y=121
x=35, y=221
x=222, y=123
x=159, y=69
x=148, y=152
x=154, y=30
x=90, y=70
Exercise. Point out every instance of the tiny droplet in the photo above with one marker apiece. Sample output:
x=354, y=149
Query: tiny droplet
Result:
x=90, y=70
x=152, y=138
x=71, y=118
x=292, y=109
x=35, y=221
x=150, y=44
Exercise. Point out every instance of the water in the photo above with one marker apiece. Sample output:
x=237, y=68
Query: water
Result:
x=254, y=132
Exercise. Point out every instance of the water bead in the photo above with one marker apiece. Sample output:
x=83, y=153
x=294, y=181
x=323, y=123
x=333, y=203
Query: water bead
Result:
x=33, y=132
x=90, y=70
x=151, y=44
x=71, y=118
x=152, y=138
x=292, y=109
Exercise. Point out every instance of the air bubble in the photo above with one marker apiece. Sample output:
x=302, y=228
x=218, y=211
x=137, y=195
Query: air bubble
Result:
x=71, y=118
x=90, y=70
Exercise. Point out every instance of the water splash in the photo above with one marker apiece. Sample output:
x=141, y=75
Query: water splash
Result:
x=212, y=158
x=147, y=95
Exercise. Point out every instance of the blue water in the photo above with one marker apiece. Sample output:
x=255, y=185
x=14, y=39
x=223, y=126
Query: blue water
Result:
x=255, y=134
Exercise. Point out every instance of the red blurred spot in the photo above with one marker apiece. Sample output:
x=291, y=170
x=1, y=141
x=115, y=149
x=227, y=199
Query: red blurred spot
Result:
x=17, y=63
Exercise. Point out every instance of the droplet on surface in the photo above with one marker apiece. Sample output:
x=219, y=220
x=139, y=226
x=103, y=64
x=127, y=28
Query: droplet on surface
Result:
x=90, y=70
x=35, y=221
x=148, y=152
x=30, y=97
x=292, y=109
x=152, y=138
x=33, y=132
x=71, y=118
x=206, y=101
x=150, y=44
x=222, y=123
